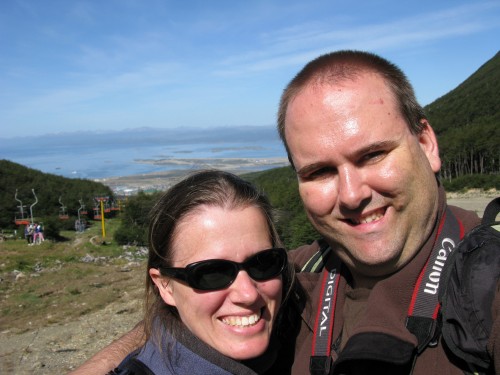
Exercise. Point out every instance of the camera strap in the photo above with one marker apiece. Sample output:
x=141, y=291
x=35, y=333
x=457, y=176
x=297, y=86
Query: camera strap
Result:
x=424, y=307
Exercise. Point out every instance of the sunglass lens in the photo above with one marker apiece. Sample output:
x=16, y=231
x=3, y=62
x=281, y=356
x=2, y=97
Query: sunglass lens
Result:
x=213, y=275
x=266, y=264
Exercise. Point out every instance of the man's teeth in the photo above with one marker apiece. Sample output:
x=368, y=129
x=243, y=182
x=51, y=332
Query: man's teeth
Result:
x=368, y=219
x=242, y=321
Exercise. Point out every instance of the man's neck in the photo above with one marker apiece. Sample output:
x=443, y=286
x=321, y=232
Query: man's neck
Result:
x=364, y=281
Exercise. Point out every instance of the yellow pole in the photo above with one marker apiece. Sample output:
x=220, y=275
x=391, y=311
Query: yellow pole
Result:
x=102, y=221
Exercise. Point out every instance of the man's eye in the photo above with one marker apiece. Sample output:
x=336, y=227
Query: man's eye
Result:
x=373, y=156
x=318, y=173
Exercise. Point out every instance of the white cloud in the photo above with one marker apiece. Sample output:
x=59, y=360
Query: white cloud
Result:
x=297, y=45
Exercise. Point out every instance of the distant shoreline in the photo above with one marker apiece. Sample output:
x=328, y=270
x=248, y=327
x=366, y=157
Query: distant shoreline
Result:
x=161, y=180
x=221, y=163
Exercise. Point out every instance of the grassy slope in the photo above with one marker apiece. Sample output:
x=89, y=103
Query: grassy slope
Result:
x=56, y=286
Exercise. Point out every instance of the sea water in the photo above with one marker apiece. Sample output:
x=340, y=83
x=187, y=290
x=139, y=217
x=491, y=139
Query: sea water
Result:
x=92, y=161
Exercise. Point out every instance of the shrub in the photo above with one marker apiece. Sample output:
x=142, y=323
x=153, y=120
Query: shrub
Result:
x=474, y=181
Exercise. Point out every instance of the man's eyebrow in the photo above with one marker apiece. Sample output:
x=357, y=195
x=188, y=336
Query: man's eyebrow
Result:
x=376, y=146
x=309, y=168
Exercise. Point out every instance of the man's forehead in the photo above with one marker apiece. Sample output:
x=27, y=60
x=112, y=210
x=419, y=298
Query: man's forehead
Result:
x=334, y=116
x=348, y=95
x=360, y=82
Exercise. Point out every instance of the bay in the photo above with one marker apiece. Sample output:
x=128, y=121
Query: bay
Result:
x=142, y=151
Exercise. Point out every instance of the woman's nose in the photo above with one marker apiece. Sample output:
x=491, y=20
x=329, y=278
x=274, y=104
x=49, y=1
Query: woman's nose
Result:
x=244, y=289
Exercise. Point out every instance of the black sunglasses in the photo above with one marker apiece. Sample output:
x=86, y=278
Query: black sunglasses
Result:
x=214, y=274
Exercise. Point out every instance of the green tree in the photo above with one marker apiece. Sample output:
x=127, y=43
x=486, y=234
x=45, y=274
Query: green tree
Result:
x=281, y=187
x=48, y=189
x=135, y=219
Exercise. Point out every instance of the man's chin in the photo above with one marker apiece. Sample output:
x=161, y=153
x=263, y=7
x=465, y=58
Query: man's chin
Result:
x=372, y=265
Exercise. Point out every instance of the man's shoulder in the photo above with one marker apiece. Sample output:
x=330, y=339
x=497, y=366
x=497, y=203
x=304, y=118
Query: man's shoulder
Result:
x=468, y=218
x=302, y=254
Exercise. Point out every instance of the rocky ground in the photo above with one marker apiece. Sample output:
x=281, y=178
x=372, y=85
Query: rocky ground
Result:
x=59, y=348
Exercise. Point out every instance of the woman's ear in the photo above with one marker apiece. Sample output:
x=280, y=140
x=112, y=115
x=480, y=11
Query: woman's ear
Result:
x=164, y=285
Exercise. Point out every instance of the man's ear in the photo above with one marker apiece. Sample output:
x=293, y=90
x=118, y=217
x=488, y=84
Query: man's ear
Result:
x=164, y=285
x=428, y=142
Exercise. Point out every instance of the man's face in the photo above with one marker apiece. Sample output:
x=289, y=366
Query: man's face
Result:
x=367, y=183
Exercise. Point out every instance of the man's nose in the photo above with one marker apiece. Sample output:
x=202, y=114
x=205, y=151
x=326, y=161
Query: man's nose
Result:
x=352, y=188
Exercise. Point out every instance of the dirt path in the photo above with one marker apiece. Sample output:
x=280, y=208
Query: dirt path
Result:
x=476, y=204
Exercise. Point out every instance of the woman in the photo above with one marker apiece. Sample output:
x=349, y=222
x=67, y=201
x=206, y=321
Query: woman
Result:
x=217, y=278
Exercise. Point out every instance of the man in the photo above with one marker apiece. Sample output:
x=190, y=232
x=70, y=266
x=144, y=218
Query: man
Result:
x=366, y=159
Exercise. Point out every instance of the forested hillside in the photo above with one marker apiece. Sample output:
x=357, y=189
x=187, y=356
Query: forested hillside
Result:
x=467, y=123
x=48, y=190
x=280, y=186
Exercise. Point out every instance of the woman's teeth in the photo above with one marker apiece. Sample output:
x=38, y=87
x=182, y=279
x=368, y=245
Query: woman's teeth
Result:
x=242, y=321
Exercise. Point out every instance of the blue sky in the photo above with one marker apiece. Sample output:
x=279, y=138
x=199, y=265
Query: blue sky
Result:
x=115, y=64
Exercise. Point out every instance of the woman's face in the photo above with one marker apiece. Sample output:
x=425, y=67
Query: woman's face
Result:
x=236, y=321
